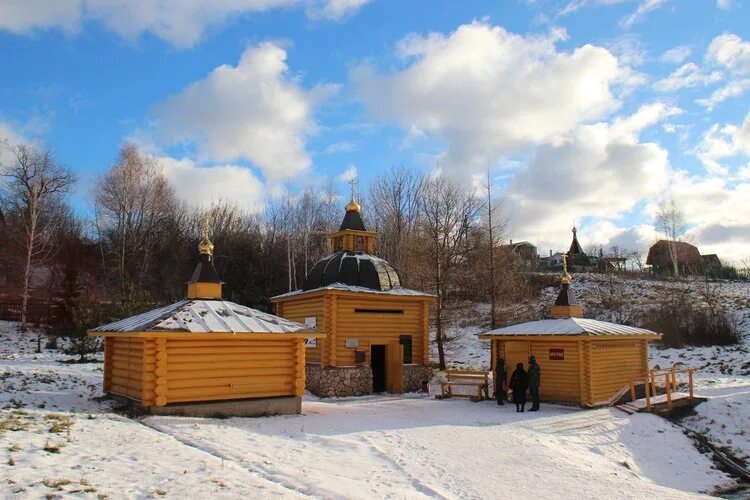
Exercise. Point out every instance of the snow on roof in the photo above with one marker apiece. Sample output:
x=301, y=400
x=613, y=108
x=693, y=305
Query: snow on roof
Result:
x=359, y=289
x=205, y=316
x=569, y=326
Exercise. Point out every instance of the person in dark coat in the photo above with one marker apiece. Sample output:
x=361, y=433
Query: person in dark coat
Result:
x=518, y=384
x=535, y=378
x=501, y=384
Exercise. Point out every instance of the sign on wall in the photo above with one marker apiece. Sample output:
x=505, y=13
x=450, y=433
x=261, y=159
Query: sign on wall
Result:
x=557, y=354
x=311, y=343
x=311, y=322
x=352, y=343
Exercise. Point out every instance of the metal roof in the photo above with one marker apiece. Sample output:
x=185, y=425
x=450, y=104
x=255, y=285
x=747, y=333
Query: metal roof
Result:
x=358, y=289
x=569, y=326
x=205, y=316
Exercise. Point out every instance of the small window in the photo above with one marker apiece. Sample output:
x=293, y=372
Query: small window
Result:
x=339, y=244
x=379, y=311
x=359, y=244
x=405, y=340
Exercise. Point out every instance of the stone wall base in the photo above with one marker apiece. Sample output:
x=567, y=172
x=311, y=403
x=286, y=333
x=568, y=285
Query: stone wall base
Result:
x=342, y=381
x=261, y=407
x=415, y=376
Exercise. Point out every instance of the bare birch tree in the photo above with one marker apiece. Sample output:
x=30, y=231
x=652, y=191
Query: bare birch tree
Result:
x=35, y=181
x=670, y=221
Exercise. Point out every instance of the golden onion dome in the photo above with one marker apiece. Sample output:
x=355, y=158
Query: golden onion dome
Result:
x=205, y=247
x=353, y=206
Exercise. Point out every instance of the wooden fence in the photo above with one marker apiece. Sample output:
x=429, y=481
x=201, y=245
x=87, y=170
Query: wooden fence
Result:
x=37, y=313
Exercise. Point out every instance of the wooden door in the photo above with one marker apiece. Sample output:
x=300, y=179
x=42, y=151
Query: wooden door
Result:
x=379, y=368
x=395, y=368
x=516, y=352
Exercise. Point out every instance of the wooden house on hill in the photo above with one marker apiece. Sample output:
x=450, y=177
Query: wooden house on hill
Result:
x=204, y=356
x=377, y=331
x=660, y=257
x=583, y=361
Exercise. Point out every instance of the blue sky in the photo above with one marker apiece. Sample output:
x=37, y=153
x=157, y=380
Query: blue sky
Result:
x=584, y=110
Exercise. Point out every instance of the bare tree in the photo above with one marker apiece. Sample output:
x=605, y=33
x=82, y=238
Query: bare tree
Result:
x=449, y=210
x=35, y=182
x=670, y=221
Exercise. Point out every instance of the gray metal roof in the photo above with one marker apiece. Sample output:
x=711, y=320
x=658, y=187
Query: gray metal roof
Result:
x=205, y=316
x=404, y=292
x=570, y=326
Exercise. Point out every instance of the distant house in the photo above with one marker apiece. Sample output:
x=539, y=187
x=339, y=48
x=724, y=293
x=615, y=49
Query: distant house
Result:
x=524, y=251
x=689, y=259
x=710, y=264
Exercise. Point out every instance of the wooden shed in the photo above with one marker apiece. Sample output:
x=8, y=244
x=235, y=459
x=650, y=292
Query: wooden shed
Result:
x=206, y=356
x=583, y=361
x=377, y=331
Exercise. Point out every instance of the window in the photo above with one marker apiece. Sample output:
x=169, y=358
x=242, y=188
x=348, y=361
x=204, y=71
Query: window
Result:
x=405, y=340
x=359, y=244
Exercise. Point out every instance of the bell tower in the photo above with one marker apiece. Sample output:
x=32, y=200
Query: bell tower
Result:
x=566, y=305
x=352, y=236
x=205, y=282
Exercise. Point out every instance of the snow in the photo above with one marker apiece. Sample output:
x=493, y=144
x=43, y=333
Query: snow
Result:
x=69, y=442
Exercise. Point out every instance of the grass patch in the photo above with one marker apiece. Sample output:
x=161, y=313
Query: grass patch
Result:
x=13, y=424
x=60, y=423
x=160, y=492
x=52, y=448
x=56, y=484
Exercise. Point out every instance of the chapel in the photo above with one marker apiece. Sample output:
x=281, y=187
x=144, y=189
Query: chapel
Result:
x=377, y=331
x=204, y=356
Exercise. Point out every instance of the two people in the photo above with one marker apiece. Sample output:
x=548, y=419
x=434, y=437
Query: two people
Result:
x=520, y=381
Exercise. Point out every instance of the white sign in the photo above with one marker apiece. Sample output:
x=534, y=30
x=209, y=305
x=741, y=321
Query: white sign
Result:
x=352, y=343
x=311, y=322
x=311, y=343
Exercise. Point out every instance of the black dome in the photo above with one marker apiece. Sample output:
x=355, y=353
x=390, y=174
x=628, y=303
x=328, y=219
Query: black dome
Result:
x=352, y=268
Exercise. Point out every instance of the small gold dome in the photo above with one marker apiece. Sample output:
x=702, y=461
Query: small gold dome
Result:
x=206, y=247
x=353, y=206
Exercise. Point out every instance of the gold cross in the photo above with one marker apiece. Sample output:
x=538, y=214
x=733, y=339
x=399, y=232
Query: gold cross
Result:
x=354, y=183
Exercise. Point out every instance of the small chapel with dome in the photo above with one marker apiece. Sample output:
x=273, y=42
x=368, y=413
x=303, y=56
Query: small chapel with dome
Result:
x=377, y=332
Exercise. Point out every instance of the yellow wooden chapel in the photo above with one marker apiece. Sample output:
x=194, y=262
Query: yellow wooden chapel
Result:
x=377, y=332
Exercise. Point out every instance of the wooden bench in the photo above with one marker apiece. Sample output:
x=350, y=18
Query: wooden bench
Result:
x=477, y=379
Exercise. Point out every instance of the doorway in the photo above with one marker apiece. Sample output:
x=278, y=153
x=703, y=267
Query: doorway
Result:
x=377, y=362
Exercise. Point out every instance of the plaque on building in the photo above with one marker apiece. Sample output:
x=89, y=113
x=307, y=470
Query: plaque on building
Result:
x=557, y=354
x=352, y=343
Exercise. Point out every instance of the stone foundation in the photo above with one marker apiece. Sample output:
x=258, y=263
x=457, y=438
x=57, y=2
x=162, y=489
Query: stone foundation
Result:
x=414, y=375
x=261, y=407
x=329, y=381
x=340, y=381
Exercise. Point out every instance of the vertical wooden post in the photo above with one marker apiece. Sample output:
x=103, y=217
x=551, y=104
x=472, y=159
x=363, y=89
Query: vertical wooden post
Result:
x=674, y=379
x=669, y=391
x=632, y=389
x=108, y=349
x=690, y=384
x=160, y=372
x=648, y=394
x=299, y=356
x=426, y=332
x=332, y=315
x=582, y=373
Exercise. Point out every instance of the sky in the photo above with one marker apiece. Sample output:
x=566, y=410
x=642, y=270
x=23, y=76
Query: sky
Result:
x=585, y=112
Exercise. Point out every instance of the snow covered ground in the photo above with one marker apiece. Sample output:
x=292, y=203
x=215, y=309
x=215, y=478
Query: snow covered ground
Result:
x=58, y=438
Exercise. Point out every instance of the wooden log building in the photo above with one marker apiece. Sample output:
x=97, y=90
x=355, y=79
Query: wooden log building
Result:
x=583, y=361
x=377, y=331
x=204, y=356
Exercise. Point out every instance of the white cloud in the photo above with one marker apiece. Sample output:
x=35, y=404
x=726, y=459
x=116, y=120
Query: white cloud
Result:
x=576, y=5
x=676, y=55
x=734, y=88
x=254, y=111
x=687, y=75
x=349, y=174
x=335, y=9
x=643, y=8
x=597, y=171
x=724, y=4
x=202, y=186
x=719, y=143
x=9, y=136
x=180, y=22
x=730, y=51
x=485, y=91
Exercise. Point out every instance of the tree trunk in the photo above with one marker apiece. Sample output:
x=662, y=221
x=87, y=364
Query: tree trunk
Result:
x=439, y=315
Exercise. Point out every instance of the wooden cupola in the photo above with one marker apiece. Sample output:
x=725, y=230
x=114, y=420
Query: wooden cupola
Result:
x=352, y=235
x=566, y=305
x=205, y=282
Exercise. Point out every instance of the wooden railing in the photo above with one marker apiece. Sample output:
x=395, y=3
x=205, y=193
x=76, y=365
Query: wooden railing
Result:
x=669, y=376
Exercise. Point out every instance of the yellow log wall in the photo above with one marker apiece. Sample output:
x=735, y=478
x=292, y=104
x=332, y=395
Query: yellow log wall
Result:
x=299, y=309
x=373, y=328
x=613, y=363
x=209, y=370
x=125, y=370
x=560, y=378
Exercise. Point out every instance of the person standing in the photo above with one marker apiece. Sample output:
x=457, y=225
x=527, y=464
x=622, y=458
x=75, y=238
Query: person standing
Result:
x=534, y=375
x=518, y=384
x=501, y=383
